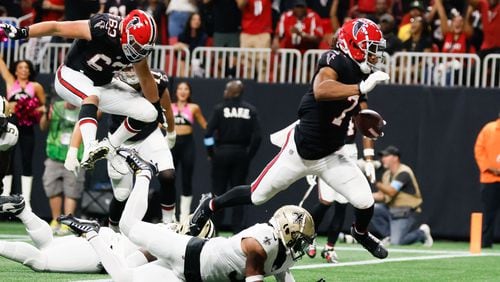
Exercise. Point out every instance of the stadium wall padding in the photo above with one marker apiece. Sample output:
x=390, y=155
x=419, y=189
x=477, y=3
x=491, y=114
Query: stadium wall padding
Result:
x=435, y=129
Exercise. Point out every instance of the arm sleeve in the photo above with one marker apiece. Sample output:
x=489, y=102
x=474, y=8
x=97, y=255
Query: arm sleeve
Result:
x=256, y=136
x=400, y=181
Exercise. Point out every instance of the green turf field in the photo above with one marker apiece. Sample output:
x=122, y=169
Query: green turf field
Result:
x=445, y=261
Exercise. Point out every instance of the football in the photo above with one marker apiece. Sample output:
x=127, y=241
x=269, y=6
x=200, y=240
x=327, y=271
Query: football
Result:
x=370, y=123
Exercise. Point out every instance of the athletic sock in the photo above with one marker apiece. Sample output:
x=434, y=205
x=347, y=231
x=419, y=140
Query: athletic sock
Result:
x=115, y=211
x=336, y=223
x=168, y=213
x=88, y=123
x=239, y=195
x=125, y=131
x=362, y=219
x=318, y=212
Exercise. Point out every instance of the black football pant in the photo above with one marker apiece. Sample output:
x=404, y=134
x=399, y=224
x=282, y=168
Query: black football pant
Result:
x=229, y=169
x=490, y=204
x=25, y=143
x=184, y=156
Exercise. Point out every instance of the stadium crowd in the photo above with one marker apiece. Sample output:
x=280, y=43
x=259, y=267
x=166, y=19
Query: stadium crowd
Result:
x=449, y=26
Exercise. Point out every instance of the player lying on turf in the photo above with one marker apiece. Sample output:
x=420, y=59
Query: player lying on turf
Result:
x=69, y=253
x=261, y=250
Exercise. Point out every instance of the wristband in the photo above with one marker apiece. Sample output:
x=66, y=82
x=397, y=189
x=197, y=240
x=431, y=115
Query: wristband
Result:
x=369, y=152
x=254, y=278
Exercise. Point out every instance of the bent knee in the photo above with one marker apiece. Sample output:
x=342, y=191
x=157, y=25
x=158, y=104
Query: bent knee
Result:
x=362, y=201
x=121, y=194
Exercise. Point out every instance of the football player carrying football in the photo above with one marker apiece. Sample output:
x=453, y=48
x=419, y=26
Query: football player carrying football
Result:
x=104, y=44
x=315, y=146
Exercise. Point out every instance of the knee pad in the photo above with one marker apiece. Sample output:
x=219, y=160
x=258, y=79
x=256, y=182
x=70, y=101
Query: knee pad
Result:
x=121, y=194
x=136, y=124
x=362, y=201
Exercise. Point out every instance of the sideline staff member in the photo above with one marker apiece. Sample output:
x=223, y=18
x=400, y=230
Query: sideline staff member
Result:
x=232, y=140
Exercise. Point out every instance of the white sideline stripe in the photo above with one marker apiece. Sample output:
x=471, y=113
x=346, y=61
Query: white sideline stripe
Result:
x=378, y=261
x=415, y=251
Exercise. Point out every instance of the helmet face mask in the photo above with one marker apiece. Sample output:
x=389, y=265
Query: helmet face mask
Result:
x=295, y=228
x=362, y=40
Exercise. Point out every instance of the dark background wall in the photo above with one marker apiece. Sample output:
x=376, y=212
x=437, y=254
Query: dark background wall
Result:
x=435, y=129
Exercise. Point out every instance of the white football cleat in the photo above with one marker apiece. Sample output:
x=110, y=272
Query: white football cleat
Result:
x=96, y=151
x=428, y=238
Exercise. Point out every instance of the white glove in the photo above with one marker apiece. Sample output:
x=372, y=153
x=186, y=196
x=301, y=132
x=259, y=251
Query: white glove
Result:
x=370, y=170
x=71, y=163
x=171, y=136
x=311, y=180
x=373, y=79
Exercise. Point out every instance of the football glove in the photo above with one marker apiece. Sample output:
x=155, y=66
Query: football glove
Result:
x=171, y=137
x=373, y=79
x=370, y=171
x=15, y=32
x=71, y=163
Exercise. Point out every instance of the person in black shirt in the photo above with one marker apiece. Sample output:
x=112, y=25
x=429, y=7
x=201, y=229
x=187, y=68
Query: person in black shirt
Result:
x=314, y=145
x=104, y=45
x=232, y=140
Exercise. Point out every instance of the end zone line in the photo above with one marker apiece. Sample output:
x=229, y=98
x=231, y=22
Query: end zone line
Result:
x=378, y=261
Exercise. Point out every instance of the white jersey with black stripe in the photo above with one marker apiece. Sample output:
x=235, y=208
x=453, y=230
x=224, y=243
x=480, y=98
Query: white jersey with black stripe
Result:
x=222, y=259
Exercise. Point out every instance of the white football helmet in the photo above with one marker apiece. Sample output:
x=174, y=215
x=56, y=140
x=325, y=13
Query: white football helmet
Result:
x=128, y=76
x=295, y=228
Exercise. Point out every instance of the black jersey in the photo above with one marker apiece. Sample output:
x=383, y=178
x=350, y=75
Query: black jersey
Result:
x=235, y=122
x=324, y=124
x=116, y=120
x=100, y=57
x=351, y=128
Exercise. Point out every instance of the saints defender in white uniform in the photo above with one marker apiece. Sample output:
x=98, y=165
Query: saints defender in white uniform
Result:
x=8, y=139
x=259, y=251
x=51, y=254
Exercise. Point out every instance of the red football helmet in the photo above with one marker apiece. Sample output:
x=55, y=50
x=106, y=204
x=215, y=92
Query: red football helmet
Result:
x=360, y=38
x=138, y=35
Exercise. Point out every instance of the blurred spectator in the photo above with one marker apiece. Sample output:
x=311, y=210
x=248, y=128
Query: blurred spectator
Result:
x=186, y=113
x=457, y=34
x=256, y=29
x=416, y=10
x=26, y=100
x=487, y=153
x=299, y=28
x=420, y=39
x=178, y=15
x=327, y=11
x=393, y=44
x=490, y=17
x=117, y=7
x=12, y=8
x=157, y=9
x=52, y=10
x=80, y=9
x=226, y=28
x=399, y=203
x=62, y=187
x=193, y=36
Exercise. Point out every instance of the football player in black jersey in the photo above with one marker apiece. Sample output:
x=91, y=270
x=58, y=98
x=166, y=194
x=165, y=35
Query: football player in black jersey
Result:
x=150, y=144
x=104, y=44
x=314, y=146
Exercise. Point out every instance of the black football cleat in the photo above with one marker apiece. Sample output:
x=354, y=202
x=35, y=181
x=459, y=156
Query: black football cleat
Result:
x=370, y=243
x=201, y=215
x=12, y=204
x=77, y=225
x=136, y=163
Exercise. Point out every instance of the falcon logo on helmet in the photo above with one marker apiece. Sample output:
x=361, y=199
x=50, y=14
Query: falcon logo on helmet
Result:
x=361, y=39
x=138, y=35
x=295, y=228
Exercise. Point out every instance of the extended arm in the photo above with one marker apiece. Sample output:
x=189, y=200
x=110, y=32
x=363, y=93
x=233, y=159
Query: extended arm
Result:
x=256, y=257
x=327, y=88
x=148, y=83
x=67, y=29
x=169, y=115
